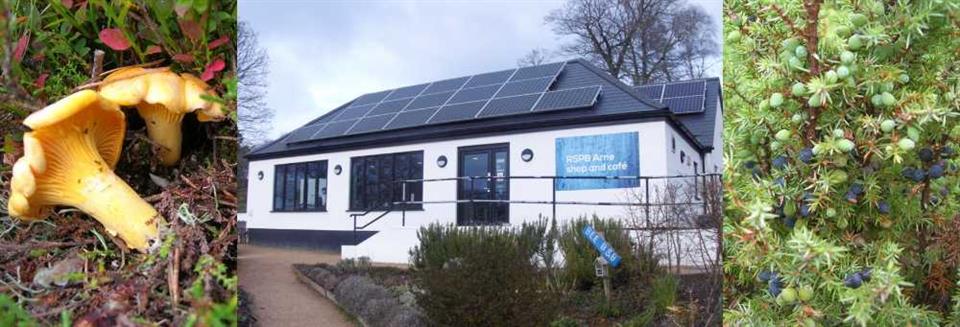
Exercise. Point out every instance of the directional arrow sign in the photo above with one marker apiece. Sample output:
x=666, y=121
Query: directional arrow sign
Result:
x=605, y=249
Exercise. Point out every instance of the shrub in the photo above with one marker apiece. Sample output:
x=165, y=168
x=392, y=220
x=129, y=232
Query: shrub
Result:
x=579, y=255
x=479, y=277
x=373, y=303
x=841, y=180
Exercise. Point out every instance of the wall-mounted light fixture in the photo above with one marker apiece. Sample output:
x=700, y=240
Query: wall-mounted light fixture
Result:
x=442, y=161
x=260, y=175
x=526, y=155
x=337, y=170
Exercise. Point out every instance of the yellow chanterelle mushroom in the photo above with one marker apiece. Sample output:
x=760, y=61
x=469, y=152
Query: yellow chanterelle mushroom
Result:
x=162, y=98
x=68, y=160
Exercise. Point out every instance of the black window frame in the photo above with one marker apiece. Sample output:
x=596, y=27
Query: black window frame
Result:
x=374, y=180
x=297, y=201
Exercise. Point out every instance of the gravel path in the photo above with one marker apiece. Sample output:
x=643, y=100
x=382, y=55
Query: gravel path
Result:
x=278, y=298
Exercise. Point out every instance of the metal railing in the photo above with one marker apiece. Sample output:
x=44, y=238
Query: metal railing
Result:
x=701, y=185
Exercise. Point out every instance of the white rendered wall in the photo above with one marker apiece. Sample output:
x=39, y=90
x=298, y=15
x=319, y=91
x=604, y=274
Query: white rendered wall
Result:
x=392, y=244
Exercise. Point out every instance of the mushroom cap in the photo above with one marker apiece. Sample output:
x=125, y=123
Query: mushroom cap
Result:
x=193, y=90
x=86, y=110
x=124, y=87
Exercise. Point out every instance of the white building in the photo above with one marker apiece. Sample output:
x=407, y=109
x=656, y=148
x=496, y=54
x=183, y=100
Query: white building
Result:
x=559, y=119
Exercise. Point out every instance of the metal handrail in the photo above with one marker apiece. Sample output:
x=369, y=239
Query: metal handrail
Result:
x=645, y=204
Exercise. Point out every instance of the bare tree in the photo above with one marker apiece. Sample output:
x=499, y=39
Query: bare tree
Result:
x=537, y=56
x=254, y=117
x=639, y=41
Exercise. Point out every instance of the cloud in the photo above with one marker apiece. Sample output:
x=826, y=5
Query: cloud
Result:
x=323, y=54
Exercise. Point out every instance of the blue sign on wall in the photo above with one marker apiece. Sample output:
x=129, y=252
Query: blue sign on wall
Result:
x=598, y=155
x=605, y=249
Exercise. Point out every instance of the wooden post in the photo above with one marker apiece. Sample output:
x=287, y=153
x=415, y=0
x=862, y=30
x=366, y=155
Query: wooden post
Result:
x=606, y=274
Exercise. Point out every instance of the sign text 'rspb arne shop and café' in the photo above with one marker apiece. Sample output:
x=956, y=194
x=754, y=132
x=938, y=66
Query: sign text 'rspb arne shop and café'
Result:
x=603, y=155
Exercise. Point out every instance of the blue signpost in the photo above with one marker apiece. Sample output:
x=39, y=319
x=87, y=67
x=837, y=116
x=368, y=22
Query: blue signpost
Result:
x=605, y=249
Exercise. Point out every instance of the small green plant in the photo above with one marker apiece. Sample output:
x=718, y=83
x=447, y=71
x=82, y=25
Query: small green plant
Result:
x=579, y=255
x=12, y=314
x=565, y=322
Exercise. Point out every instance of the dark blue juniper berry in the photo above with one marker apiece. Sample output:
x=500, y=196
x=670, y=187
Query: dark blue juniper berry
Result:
x=856, y=188
x=790, y=222
x=851, y=197
x=804, y=210
x=749, y=164
x=775, y=284
x=883, y=207
x=866, y=273
x=806, y=155
x=947, y=152
x=936, y=171
x=765, y=275
x=918, y=175
x=779, y=181
x=780, y=162
x=853, y=280
x=926, y=154
x=907, y=172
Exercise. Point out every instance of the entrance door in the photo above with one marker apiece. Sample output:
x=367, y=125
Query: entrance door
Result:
x=482, y=162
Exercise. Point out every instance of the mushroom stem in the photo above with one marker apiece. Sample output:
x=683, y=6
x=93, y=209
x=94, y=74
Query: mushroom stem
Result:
x=163, y=127
x=98, y=191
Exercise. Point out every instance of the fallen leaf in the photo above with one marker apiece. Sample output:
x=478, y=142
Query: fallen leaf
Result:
x=183, y=57
x=114, y=39
x=21, y=48
x=41, y=80
x=153, y=49
x=212, y=68
x=60, y=273
x=218, y=42
x=190, y=28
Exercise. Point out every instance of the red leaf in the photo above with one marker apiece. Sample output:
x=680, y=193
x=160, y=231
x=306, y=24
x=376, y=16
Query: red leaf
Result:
x=183, y=57
x=21, y=48
x=67, y=3
x=190, y=28
x=41, y=80
x=114, y=39
x=153, y=49
x=218, y=42
x=212, y=68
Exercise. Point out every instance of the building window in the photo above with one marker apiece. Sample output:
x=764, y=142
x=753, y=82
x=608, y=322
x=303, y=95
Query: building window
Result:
x=374, y=181
x=673, y=144
x=300, y=186
x=695, y=167
x=683, y=157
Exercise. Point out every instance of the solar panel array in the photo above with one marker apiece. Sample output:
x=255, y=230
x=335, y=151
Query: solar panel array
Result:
x=682, y=97
x=500, y=93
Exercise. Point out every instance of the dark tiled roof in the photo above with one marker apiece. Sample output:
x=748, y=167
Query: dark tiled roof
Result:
x=428, y=111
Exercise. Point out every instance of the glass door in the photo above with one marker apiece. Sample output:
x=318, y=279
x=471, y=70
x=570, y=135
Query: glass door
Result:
x=482, y=164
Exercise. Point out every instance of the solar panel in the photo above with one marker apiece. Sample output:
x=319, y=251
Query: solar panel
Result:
x=327, y=117
x=456, y=112
x=370, y=98
x=568, y=99
x=411, y=118
x=548, y=70
x=446, y=85
x=489, y=78
x=426, y=101
x=684, y=89
x=509, y=105
x=474, y=94
x=652, y=92
x=387, y=107
x=304, y=133
x=336, y=128
x=525, y=87
x=370, y=123
x=406, y=92
x=685, y=104
x=354, y=112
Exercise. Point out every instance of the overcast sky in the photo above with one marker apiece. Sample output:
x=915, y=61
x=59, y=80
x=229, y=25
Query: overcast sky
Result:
x=325, y=53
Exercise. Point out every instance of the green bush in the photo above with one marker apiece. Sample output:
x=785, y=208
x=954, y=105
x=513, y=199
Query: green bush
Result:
x=480, y=276
x=579, y=255
x=842, y=181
